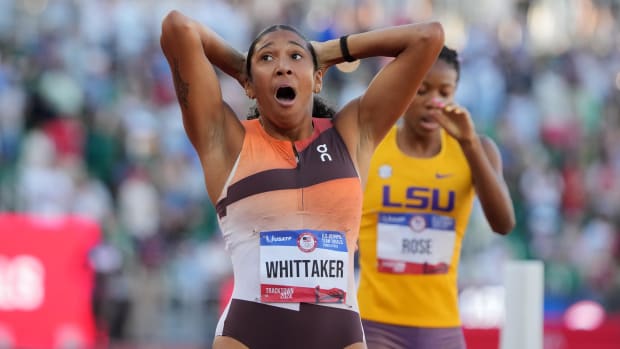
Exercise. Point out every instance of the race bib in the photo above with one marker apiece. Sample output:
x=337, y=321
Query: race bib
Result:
x=303, y=266
x=414, y=243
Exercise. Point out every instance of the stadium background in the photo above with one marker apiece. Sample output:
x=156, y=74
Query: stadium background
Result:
x=89, y=127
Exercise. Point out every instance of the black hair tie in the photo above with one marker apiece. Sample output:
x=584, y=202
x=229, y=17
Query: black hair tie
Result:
x=344, y=48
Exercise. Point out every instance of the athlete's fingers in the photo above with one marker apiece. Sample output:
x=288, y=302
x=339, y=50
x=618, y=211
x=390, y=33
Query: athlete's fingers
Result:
x=447, y=108
x=453, y=109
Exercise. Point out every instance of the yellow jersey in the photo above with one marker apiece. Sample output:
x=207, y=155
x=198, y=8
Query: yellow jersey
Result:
x=415, y=212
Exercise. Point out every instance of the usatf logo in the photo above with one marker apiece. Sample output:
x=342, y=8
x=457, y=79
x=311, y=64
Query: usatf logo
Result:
x=324, y=154
x=307, y=242
x=275, y=239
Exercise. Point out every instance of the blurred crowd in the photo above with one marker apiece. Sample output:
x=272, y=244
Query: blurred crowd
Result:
x=89, y=125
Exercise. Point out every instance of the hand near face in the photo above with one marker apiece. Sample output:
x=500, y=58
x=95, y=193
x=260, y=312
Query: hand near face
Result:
x=455, y=120
x=327, y=54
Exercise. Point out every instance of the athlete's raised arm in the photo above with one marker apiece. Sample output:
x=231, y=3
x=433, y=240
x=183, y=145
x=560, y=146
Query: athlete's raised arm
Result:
x=365, y=121
x=192, y=51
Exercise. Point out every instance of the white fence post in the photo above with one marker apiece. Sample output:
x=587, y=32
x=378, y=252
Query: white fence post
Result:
x=523, y=322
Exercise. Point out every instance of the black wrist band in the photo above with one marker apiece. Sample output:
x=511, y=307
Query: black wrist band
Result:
x=344, y=48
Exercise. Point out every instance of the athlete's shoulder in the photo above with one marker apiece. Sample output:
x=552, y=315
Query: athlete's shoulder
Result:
x=323, y=123
x=486, y=140
x=251, y=123
x=253, y=129
x=489, y=146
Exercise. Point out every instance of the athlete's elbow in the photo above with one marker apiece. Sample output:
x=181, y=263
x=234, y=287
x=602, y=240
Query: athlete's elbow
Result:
x=433, y=37
x=177, y=30
x=436, y=33
x=173, y=18
x=175, y=24
x=504, y=226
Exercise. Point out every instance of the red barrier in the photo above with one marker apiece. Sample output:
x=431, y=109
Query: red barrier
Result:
x=556, y=336
x=46, y=282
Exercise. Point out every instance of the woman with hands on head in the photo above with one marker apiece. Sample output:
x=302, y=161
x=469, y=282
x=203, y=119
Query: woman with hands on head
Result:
x=422, y=181
x=287, y=185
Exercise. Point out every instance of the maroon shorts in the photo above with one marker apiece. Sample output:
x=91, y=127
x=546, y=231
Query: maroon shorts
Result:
x=312, y=327
x=385, y=336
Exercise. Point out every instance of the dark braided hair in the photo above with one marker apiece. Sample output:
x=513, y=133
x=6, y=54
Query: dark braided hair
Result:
x=451, y=57
x=320, y=108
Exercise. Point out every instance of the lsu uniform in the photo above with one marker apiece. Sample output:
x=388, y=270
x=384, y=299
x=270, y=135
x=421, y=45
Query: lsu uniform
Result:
x=415, y=212
x=290, y=214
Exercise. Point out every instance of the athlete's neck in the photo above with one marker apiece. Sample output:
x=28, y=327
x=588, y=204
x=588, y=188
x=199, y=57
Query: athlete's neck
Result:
x=418, y=145
x=293, y=134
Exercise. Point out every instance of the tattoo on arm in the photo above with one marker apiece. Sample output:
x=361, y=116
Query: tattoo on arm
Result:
x=182, y=87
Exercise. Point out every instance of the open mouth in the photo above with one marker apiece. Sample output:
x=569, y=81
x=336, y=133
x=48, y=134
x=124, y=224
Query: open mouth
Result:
x=428, y=121
x=285, y=94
